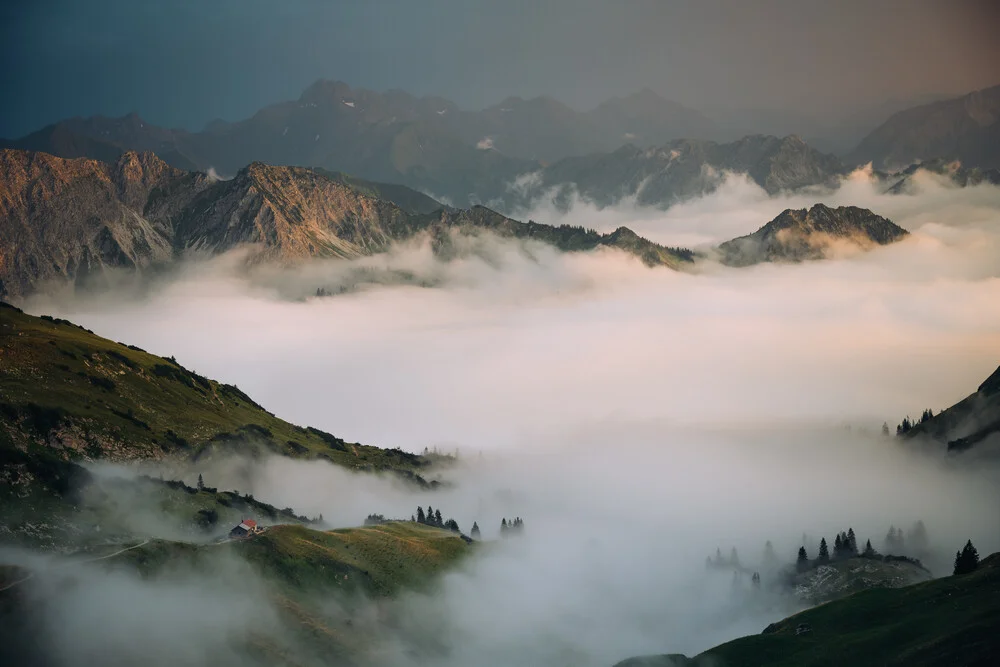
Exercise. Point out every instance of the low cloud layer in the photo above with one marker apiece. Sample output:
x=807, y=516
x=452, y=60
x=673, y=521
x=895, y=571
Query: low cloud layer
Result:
x=635, y=418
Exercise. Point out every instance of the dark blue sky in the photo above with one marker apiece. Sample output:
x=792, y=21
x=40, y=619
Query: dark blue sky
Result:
x=184, y=62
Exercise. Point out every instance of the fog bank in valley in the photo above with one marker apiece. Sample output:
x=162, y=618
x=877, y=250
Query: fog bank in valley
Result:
x=636, y=418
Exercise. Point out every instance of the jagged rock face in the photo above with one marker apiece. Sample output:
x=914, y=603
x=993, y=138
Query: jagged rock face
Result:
x=682, y=170
x=72, y=220
x=797, y=235
x=292, y=213
x=965, y=128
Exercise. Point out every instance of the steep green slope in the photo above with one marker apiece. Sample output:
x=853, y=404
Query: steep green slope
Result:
x=950, y=621
x=68, y=393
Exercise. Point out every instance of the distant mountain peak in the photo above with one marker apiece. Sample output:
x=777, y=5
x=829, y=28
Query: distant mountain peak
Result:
x=803, y=234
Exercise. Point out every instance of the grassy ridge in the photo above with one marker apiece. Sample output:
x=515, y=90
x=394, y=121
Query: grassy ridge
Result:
x=949, y=621
x=66, y=391
x=377, y=560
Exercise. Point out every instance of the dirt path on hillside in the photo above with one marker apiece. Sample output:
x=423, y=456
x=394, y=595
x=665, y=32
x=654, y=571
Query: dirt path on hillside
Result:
x=75, y=562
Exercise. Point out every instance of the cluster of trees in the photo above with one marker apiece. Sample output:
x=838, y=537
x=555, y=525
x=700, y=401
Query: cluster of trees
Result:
x=513, y=527
x=966, y=560
x=915, y=541
x=433, y=518
x=845, y=545
x=375, y=520
x=907, y=423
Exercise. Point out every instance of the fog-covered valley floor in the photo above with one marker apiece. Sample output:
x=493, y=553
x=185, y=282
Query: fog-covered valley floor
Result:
x=636, y=419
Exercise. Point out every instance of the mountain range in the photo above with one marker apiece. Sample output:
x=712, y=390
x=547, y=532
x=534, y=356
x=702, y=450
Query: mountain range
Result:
x=965, y=128
x=470, y=157
x=77, y=220
x=680, y=170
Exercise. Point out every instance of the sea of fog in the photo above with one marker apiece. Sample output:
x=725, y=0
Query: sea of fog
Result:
x=636, y=418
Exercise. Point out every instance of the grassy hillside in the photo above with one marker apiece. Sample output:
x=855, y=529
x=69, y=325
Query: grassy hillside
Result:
x=68, y=393
x=90, y=514
x=949, y=621
x=309, y=578
x=376, y=560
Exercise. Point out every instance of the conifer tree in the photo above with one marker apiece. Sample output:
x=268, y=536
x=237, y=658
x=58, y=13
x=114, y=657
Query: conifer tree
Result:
x=885, y=429
x=966, y=560
x=852, y=543
x=475, y=534
x=437, y=519
x=201, y=482
x=503, y=527
x=755, y=580
x=869, y=551
x=838, y=547
x=824, y=551
x=802, y=562
x=421, y=517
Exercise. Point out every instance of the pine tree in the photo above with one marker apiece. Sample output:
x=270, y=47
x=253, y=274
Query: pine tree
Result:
x=438, y=521
x=421, y=517
x=824, y=551
x=475, y=534
x=430, y=515
x=201, y=482
x=885, y=429
x=966, y=560
x=503, y=527
x=838, y=547
x=755, y=580
x=869, y=552
x=852, y=543
x=452, y=525
x=802, y=563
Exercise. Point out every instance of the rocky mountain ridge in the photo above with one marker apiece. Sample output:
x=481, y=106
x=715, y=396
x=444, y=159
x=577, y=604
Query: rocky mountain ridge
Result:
x=78, y=221
x=802, y=234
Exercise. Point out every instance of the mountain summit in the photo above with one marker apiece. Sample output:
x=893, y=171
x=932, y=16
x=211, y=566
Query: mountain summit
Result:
x=801, y=234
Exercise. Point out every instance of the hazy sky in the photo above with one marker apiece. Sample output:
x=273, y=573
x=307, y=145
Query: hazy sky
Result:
x=184, y=62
